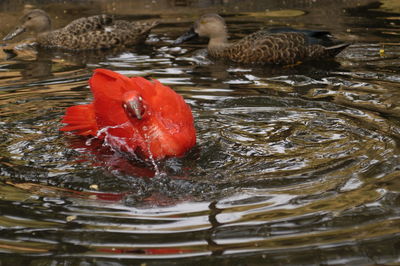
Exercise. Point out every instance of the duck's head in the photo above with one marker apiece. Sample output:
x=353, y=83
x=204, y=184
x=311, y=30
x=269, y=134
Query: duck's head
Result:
x=36, y=21
x=210, y=25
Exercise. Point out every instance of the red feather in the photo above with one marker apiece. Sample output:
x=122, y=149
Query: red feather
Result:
x=165, y=126
x=81, y=119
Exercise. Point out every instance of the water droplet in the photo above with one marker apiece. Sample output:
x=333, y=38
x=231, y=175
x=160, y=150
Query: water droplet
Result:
x=151, y=157
x=89, y=141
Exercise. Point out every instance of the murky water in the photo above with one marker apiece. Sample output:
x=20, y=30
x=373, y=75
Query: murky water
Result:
x=293, y=165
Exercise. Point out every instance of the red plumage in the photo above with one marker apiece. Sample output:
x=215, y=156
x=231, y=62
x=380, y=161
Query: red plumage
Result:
x=134, y=115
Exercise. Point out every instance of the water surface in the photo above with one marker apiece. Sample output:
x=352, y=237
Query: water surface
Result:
x=293, y=165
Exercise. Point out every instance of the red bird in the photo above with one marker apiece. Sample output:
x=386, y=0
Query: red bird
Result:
x=134, y=115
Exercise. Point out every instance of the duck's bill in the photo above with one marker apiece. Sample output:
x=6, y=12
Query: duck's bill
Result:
x=14, y=33
x=186, y=37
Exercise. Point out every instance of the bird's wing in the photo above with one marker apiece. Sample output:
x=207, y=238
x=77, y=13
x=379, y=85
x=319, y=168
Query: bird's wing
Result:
x=86, y=24
x=264, y=47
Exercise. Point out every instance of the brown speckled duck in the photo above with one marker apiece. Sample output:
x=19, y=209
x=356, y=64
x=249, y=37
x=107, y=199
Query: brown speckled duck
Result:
x=95, y=32
x=279, y=46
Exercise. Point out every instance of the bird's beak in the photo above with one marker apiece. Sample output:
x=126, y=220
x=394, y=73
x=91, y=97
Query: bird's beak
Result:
x=135, y=107
x=186, y=36
x=14, y=33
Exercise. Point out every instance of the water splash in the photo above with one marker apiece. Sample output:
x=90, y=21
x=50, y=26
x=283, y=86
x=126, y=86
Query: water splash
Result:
x=120, y=144
x=151, y=157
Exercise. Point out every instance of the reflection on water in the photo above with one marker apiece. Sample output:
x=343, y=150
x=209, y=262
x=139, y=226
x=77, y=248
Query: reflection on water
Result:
x=294, y=165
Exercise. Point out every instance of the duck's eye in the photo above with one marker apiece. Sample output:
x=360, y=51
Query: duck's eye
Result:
x=29, y=18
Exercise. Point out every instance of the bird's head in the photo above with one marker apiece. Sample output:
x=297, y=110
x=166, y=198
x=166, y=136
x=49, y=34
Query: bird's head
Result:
x=210, y=25
x=134, y=105
x=35, y=20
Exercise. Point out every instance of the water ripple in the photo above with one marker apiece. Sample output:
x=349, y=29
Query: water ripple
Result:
x=293, y=165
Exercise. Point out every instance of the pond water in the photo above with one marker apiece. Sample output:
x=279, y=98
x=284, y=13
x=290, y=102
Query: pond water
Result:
x=293, y=165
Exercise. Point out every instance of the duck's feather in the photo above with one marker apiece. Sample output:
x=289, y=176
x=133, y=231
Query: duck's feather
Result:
x=264, y=47
x=98, y=32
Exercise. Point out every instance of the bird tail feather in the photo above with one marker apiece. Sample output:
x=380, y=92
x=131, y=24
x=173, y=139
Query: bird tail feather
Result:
x=336, y=49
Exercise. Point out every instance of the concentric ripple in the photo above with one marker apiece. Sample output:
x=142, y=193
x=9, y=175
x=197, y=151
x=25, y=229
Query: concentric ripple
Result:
x=291, y=139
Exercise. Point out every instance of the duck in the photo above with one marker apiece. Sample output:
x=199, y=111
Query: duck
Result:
x=284, y=46
x=87, y=33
